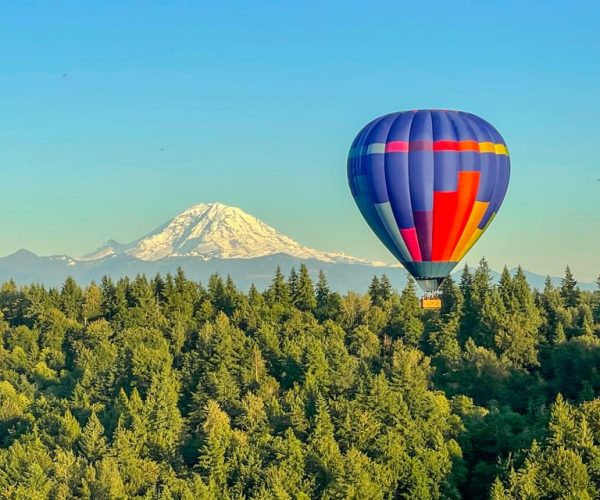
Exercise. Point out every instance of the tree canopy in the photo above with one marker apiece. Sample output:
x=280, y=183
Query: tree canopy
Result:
x=171, y=389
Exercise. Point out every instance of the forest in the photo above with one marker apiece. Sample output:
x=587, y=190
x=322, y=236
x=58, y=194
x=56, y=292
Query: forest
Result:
x=171, y=389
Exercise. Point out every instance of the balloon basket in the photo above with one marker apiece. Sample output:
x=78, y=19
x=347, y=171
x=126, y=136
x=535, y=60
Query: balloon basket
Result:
x=431, y=301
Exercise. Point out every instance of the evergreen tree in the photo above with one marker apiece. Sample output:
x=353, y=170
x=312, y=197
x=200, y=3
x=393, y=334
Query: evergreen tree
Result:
x=293, y=285
x=158, y=287
x=305, y=299
x=385, y=288
x=218, y=436
x=322, y=295
x=92, y=302
x=144, y=309
x=93, y=443
x=109, y=304
x=558, y=336
x=452, y=299
x=71, y=298
x=278, y=292
x=516, y=324
x=505, y=286
x=405, y=322
x=164, y=422
x=569, y=290
x=374, y=291
x=327, y=302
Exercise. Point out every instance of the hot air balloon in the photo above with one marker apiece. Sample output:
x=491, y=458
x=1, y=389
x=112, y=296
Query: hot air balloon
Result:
x=428, y=183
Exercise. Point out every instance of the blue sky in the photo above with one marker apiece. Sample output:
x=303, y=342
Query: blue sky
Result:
x=254, y=104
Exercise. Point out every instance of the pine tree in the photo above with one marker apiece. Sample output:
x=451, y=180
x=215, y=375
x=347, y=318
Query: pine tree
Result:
x=385, y=288
x=374, y=291
x=405, y=322
x=92, y=302
x=278, y=292
x=216, y=291
x=109, y=483
x=569, y=290
x=505, y=286
x=380, y=290
x=231, y=297
x=558, y=336
x=480, y=304
x=516, y=324
x=306, y=300
x=144, y=310
x=71, y=298
x=327, y=302
x=255, y=299
x=324, y=459
x=93, y=443
x=109, y=298
x=70, y=430
x=498, y=492
x=164, y=421
x=213, y=459
x=322, y=291
x=158, y=287
x=587, y=327
x=293, y=285
x=452, y=299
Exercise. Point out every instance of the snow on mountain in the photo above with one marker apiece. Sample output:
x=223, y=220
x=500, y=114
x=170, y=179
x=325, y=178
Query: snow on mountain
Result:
x=108, y=249
x=215, y=230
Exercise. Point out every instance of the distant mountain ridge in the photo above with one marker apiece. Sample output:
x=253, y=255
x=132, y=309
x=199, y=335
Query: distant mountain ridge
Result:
x=25, y=267
x=208, y=238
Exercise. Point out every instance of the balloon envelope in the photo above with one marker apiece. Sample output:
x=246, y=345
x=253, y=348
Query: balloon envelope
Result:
x=428, y=183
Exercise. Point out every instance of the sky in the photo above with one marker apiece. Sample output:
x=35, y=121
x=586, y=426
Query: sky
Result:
x=116, y=116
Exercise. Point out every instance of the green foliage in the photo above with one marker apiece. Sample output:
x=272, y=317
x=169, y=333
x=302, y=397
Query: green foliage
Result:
x=166, y=389
x=565, y=465
x=568, y=289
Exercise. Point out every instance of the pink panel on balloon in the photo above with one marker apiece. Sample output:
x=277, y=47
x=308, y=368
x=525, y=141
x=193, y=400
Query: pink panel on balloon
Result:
x=410, y=238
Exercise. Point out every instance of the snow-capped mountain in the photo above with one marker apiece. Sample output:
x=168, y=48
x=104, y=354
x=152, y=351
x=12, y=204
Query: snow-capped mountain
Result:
x=215, y=230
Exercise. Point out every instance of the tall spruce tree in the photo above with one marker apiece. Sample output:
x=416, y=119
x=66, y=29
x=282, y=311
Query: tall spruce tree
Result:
x=71, y=298
x=279, y=291
x=327, y=302
x=293, y=285
x=305, y=298
x=569, y=290
x=374, y=291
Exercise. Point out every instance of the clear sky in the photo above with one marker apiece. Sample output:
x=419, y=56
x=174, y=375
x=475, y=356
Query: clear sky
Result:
x=115, y=116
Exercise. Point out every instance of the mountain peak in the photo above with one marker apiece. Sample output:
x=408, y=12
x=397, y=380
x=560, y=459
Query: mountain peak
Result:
x=213, y=207
x=22, y=253
x=215, y=230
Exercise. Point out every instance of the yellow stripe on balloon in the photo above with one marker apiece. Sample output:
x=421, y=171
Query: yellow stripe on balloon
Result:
x=487, y=147
x=501, y=149
x=476, y=236
x=479, y=208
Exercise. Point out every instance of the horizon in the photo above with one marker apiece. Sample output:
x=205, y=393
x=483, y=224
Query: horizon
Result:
x=587, y=284
x=153, y=111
